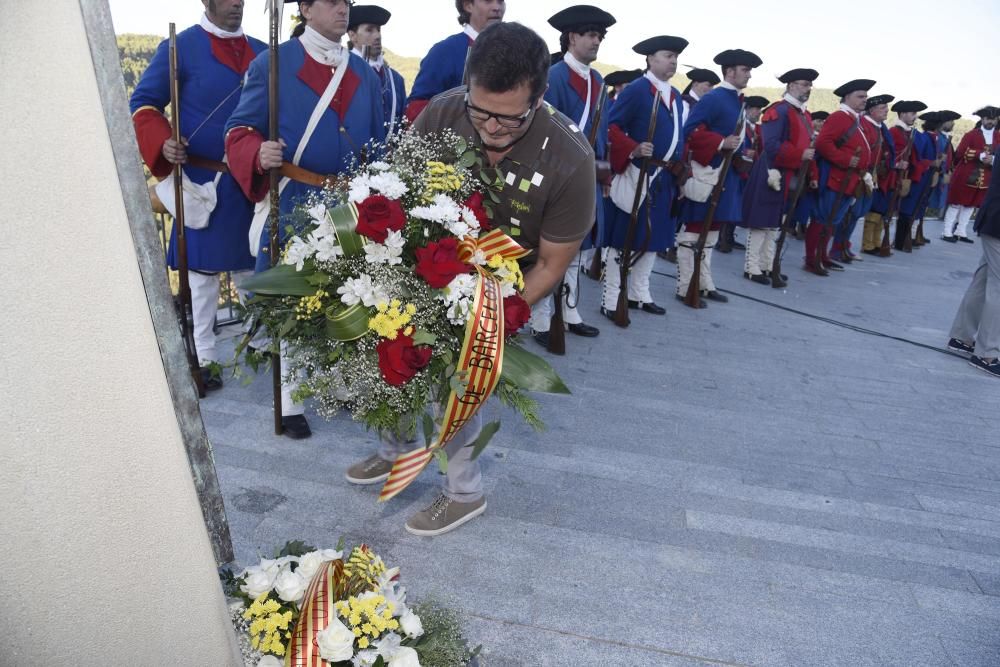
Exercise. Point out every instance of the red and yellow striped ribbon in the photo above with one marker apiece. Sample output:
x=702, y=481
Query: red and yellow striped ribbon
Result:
x=317, y=612
x=481, y=358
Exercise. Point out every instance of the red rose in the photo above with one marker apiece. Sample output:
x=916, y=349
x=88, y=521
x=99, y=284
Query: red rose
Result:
x=516, y=312
x=438, y=263
x=475, y=204
x=378, y=215
x=399, y=360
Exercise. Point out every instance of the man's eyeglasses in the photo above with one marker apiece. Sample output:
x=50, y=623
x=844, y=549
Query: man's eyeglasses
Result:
x=509, y=122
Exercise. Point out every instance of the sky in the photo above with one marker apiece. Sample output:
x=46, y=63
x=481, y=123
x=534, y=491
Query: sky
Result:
x=889, y=41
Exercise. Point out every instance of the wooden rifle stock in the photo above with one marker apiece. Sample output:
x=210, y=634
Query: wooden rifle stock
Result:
x=693, y=296
x=830, y=218
x=919, y=238
x=625, y=258
x=184, y=291
x=557, y=324
x=800, y=186
x=893, y=208
x=594, y=271
x=274, y=17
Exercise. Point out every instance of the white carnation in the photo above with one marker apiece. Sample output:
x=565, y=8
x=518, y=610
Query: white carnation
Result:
x=361, y=290
x=458, y=296
x=326, y=248
x=410, y=624
x=318, y=214
x=442, y=210
x=389, y=252
x=388, y=184
x=365, y=658
x=378, y=165
x=297, y=252
x=359, y=190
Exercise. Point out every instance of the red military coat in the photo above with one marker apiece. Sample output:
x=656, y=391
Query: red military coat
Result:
x=838, y=152
x=971, y=176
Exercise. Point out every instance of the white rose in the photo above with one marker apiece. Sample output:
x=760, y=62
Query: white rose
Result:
x=405, y=657
x=336, y=642
x=257, y=582
x=290, y=586
x=309, y=564
x=270, y=661
x=411, y=625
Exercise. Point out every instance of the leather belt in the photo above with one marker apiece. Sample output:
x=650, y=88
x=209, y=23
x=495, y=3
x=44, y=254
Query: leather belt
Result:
x=205, y=163
x=300, y=175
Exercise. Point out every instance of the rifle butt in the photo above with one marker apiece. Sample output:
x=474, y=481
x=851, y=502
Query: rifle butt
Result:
x=885, y=249
x=693, y=297
x=557, y=328
x=621, y=311
x=595, y=265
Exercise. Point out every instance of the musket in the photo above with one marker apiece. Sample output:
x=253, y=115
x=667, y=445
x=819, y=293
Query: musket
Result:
x=893, y=209
x=184, y=291
x=919, y=238
x=625, y=259
x=274, y=17
x=595, y=263
x=800, y=187
x=827, y=231
x=693, y=296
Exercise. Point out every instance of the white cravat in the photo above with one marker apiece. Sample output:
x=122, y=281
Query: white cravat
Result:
x=584, y=71
x=321, y=49
x=987, y=135
x=729, y=86
x=901, y=124
x=213, y=29
x=794, y=101
x=695, y=96
x=666, y=93
x=376, y=64
x=470, y=31
x=844, y=107
x=872, y=121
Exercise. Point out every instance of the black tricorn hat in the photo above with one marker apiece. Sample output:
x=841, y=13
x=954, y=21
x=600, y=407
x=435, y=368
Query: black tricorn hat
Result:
x=361, y=14
x=648, y=47
x=904, y=106
x=701, y=75
x=876, y=100
x=579, y=16
x=988, y=111
x=734, y=57
x=756, y=102
x=947, y=115
x=931, y=116
x=853, y=86
x=820, y=115
x=800, y=74
x=622, y=77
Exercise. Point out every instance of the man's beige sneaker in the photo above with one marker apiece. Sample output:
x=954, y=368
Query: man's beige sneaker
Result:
x=444, y=515
x=372, y=470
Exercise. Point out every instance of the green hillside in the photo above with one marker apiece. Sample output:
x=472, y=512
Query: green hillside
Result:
x=136, y=50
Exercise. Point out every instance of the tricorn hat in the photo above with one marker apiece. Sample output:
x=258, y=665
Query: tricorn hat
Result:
x=904, y=106
x=734, y=57
x=361, y=14
x=876, y=100
x=800, y=74
x=580, y=16
x=648, y=47
x=854, y=86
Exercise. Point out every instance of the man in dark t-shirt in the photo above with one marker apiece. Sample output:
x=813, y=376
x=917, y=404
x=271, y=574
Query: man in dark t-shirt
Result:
x=547, y=205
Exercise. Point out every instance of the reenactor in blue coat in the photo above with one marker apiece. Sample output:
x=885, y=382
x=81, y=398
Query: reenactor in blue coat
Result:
x=717, y=125
x=630, y=143
x=443, y=68
x=317, y=74
x=364, y=34
x=212, y=58
x=577, y=90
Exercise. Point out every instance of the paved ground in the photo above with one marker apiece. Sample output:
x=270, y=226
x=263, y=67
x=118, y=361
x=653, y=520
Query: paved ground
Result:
x=742, y=485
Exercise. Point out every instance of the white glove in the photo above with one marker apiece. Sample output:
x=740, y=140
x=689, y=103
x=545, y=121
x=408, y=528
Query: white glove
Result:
x=869, y=182
x=774, y=179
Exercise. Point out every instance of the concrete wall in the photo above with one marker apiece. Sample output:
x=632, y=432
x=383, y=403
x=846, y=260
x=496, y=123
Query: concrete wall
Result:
x=104, y=552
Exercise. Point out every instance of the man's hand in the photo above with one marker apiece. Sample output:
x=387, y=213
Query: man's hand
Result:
x=271, y=154
x=731, y=143
x=645, y=149
x=937, y=162
x=902, y=164
x=750, y=153
x=854, y=161
x=175, y=152
x=553, y=260
x=808, y=155
x=814, y=185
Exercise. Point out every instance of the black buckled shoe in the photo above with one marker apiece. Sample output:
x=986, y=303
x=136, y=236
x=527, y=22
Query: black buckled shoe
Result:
x=965, y=239
x=832, y=266
x=782, y=277
x=715, y=295
x=295, y=427
x=950, y=239
x=583, y=329
x=759, y=278
x=542, y=338
x=647, y=307
x=701, y=302
x=210, y=380
x=736, y=244
x=610, y=314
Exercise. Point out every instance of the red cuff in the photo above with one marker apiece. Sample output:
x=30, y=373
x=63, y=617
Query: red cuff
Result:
x=243, y=156
x=414, y=108
x=704, y=145
x=622, y=146
x=152, y=129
